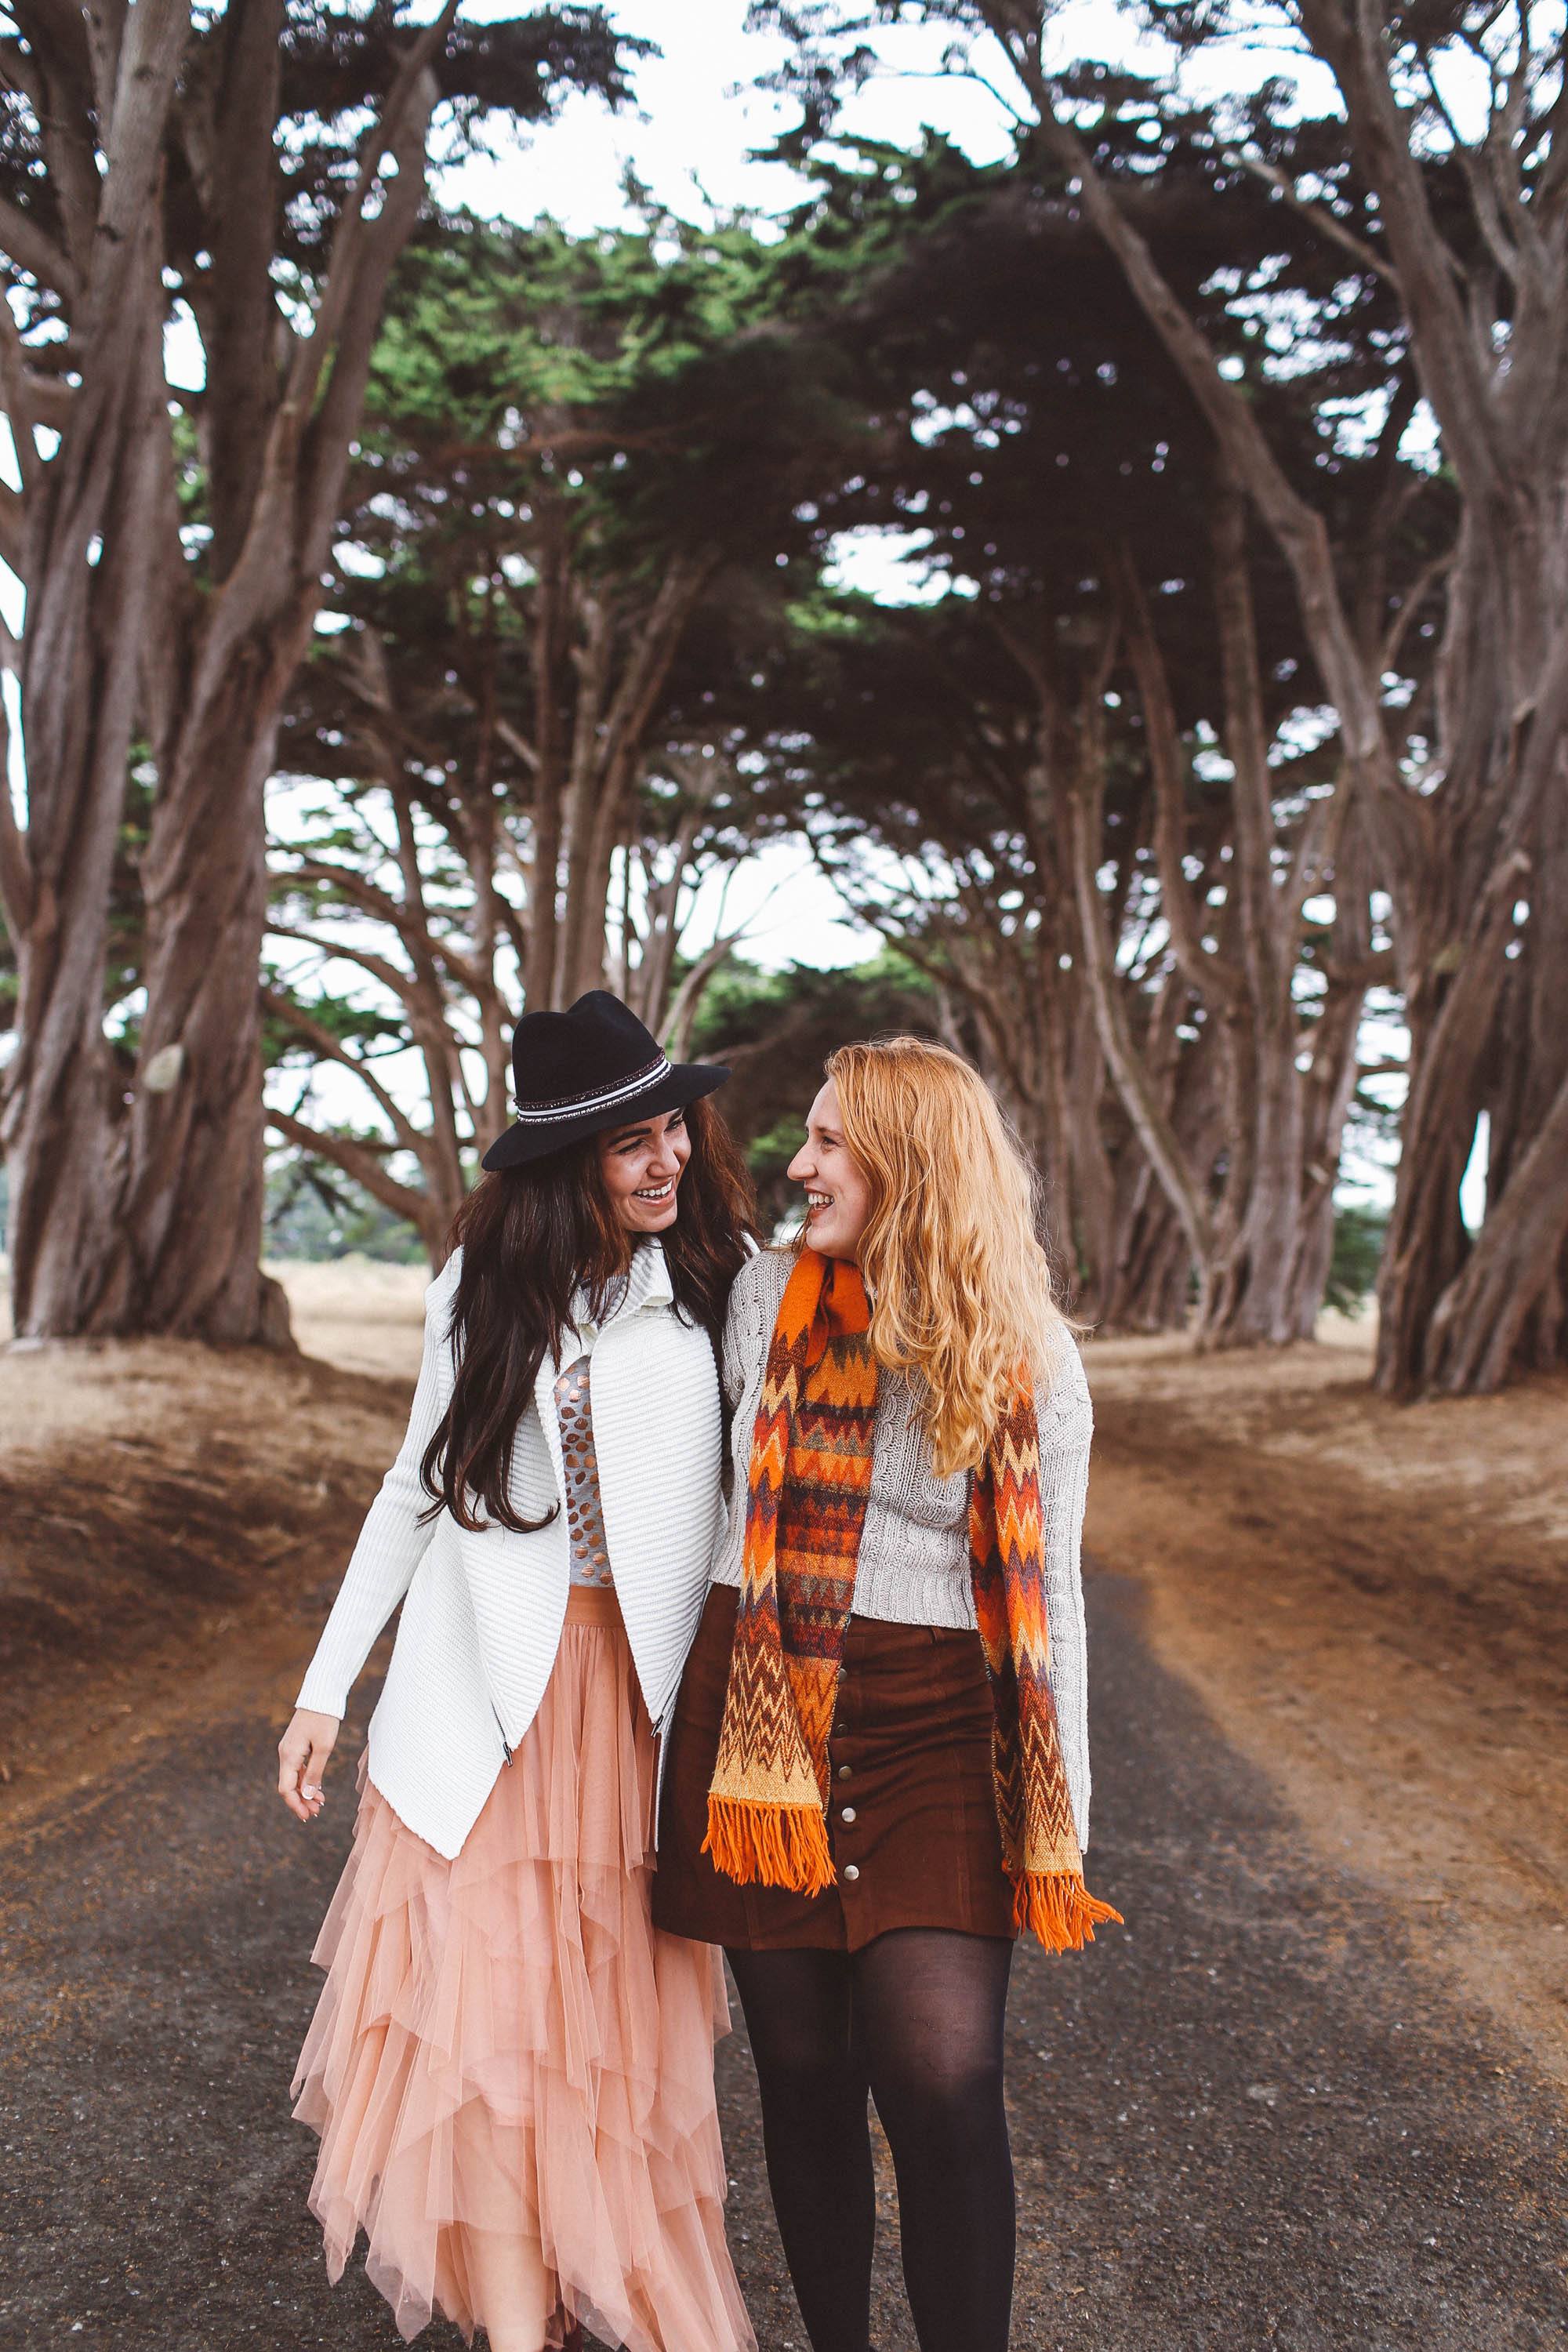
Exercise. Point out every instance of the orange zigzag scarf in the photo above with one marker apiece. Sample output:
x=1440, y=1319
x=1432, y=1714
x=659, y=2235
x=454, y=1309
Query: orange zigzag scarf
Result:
x=810, y=1474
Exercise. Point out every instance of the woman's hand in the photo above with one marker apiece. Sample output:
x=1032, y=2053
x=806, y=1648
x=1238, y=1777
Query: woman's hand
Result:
x=302, y=1754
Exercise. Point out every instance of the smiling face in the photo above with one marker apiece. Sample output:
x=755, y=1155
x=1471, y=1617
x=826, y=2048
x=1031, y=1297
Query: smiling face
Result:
x=838, y=1196
x=642, y=1168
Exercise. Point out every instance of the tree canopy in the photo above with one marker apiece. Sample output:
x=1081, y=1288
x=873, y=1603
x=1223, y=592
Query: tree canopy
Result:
x=1206, y=786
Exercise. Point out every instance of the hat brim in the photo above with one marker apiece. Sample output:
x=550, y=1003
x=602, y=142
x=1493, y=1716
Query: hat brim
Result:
x=682, y=1083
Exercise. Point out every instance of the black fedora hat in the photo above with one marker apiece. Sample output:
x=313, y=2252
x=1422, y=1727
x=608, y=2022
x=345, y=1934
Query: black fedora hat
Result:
x=591, y=1067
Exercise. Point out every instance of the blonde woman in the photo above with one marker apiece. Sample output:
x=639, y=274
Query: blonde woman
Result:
x=879, y=1767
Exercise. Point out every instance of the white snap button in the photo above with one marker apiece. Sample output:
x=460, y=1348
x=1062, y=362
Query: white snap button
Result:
x=852, y=1873
x=847, y=1814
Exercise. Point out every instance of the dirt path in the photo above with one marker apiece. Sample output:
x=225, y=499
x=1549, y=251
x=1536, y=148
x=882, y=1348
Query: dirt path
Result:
x=1246, y=2122
x=1311, y=2098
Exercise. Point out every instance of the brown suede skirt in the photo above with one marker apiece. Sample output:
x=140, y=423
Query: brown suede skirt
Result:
x=912, y=1817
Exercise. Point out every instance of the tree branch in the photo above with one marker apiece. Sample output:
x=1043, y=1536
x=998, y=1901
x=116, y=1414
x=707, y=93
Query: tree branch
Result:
x=32, y=249
x=1364, y=255
x=1411, y=602
x=16, y=400
x=360, y=1161
x=342, y=265
x=332, y=1049
x=1354, y=44
x=1211, y=973
x=1300, y=531
x=1150, y=1120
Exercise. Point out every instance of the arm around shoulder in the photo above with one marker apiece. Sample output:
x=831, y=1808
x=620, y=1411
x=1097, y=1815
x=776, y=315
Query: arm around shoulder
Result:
x=395, y=1534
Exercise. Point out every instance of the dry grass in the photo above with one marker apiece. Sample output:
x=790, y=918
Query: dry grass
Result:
x=359, y=1313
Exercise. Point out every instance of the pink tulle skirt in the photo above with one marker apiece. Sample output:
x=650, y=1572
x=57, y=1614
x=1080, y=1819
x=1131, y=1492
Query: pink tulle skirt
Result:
x=510, y=2069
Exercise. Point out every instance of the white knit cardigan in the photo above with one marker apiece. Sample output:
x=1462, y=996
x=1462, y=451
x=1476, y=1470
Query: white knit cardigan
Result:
x=483, y=1613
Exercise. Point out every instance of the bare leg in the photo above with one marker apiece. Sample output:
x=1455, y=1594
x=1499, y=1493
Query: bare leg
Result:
x=514, y=2296
x=509, y=2291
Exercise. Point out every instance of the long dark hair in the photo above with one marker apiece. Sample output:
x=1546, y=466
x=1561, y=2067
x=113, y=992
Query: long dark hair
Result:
x=530, y=1235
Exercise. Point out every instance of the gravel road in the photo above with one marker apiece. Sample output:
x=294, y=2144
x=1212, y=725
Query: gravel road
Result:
x=1246, y=2122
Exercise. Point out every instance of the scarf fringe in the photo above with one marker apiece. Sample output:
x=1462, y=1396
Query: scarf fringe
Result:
x=779, y=1845
x=1057, y=1907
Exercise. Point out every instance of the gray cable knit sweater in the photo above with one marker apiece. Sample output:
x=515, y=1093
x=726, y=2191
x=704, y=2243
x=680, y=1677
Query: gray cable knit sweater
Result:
x=913, y=1567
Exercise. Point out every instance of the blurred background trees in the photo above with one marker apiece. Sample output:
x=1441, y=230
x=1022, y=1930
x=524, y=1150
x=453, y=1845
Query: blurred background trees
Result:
x=248, y=176
x=1207, y=790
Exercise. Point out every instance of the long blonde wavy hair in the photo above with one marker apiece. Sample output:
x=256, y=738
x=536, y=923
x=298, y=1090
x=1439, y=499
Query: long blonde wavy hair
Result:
x=961, y=1288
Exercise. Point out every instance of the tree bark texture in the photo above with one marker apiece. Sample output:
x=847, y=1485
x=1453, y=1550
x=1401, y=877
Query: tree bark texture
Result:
x=1250, y=1187
x=169, y=1239
x=82, y=540
x=1490, y=338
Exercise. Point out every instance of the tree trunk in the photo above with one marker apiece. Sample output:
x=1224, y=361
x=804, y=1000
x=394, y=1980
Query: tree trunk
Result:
x=1256, y=1235
x=1249, y=1300
x=61, y=1109
x=188, y=1241
x=1476, y=1327
x=1148, y=1115
x=171, y=1240
x=1533, y=1038
x=550, y=657
x=84, y=546
x=1464, y=923
x=621, y=667
x=1149, y=1281
x=1489, y=321
x=1504, y=1310
x=190, y=1233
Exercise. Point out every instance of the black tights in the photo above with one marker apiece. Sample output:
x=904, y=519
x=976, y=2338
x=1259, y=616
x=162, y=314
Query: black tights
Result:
x=916, y=2020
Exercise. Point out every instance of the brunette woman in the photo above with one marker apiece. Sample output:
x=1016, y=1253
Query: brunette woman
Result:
x=510, y=2069
x=878, y=1768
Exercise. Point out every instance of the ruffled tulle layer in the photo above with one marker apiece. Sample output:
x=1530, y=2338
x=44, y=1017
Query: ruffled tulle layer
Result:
x=510, y=2069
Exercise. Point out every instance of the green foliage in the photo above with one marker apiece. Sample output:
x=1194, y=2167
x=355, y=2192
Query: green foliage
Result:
x=311, y=1211
x=776, y=1029
x=1359, y=1233
x=643, y=384
x=366, y=1033
x=928, y=345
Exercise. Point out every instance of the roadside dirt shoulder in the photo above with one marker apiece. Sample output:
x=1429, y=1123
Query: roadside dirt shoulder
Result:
x=1373, y=1601
x=174, y=1519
